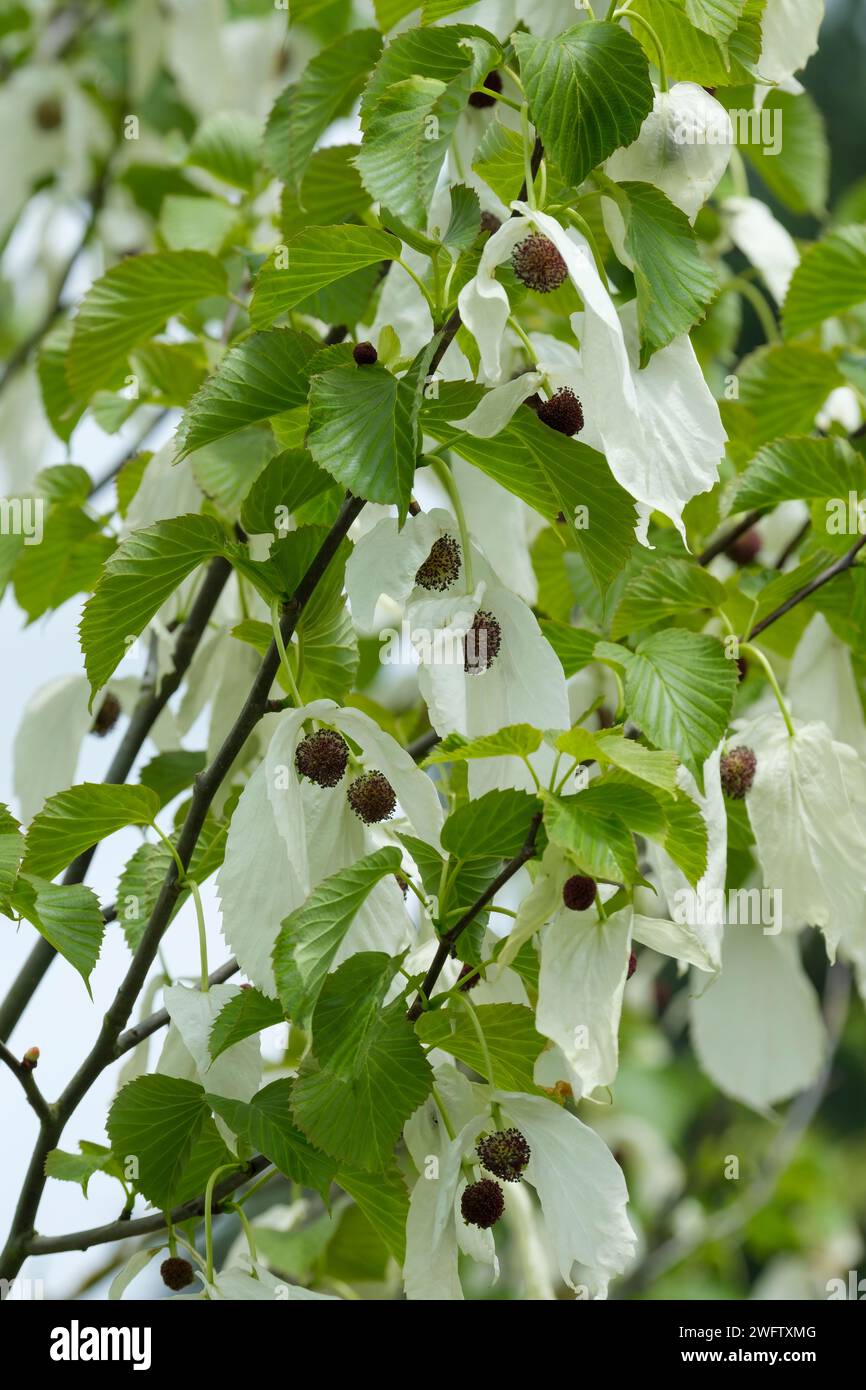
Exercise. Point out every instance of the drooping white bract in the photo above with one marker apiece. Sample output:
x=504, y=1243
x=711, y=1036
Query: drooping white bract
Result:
x=48, y=742
x=763, y=240
x=582, y=1191
x=287, y=834
x=683, y=148
x=523, y=683
x=658, y=426
x=789, y=37
x=757, y=1028
x=236, y=1073
x=579, y=1183
x=584, y=961
x=804, y=810
x=822, y=685
x=701, y=910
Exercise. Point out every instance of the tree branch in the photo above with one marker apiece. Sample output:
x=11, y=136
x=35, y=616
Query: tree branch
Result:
x=722, y=542
x=25, y=1075
x=206, y=785
x=447, y=941
x=144, y=716
x=146, y=1225
x=839, y=567
x=152, y=1024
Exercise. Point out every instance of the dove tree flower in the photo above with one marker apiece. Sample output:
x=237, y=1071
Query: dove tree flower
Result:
x=658, y=425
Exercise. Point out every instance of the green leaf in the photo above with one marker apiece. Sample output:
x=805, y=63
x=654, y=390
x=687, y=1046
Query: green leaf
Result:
x=384, y=1200
x=246, y=1013
x=588, y=90
x=328, y=643
x=228, y=145
x=67, y=916
x=315, y=258
x=553, y=474
x=266, y=1123
x=511, y=1037
x=716, y=17
x=499, y=161
x=63, y=409
x=783, y=386
x=67, y=561
x=168, y=774
x=74, y=820
x=157, y=1120
x=130, y=304
x=675, y=285
x=287, y=484
x=686, y=838
x=693, y=56
x=80, y=1167
x=656, y=766
x=359, y=1121
x=348, y=1010
x=670, y=588
x=411, y=106
x=515, y=740
x=139, y=887
x=311, y=935
x=573, y=645
x=594, y=835
x=495, y=824
x=261, y=377
x=196, y=224
x=328, y=86
x=138, y=577
x=798, y=173
x=331, y=192
x=11, y=851
x=830, y=279
x=800, y=468
x=679, y=690
x=364, y=429
x=465, y=222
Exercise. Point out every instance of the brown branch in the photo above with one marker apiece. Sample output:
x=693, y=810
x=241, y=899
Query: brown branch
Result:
x=152, y=1024
x=721, y=543
x=448, y=940
x=839, y=567
x=24, y=1074
x=144, y=716
x=146, y=1225
x=207, y=783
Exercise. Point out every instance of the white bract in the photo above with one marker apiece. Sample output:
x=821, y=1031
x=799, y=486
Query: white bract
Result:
x=802, y=807
x=763, y=240
x=658, y=426
x=523, y=682
x=789, y=37
x=579, y=1184
x=683, y=148
x=287, y=834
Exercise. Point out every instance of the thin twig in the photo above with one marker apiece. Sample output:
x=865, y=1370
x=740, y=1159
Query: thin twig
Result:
x=448, y=940
x=24, y=1074
x=143, y=718
x=722, y=542
x=146, y=1225
x=839, y=567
